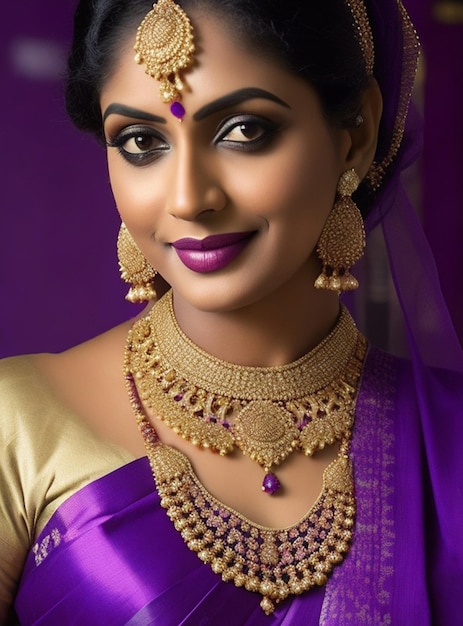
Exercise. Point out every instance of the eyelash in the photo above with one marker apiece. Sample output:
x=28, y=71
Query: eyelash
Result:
x=138, y=132
x=265, y=138
x=269, y=128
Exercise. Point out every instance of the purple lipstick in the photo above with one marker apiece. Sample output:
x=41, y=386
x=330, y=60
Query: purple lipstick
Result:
x=211, y=253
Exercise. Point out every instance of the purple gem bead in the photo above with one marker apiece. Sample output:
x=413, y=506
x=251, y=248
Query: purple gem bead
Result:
x=177, y=110
x=271, y=484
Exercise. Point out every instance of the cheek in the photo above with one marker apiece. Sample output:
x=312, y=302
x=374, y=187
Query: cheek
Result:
x=299, y=182
x=138, y=199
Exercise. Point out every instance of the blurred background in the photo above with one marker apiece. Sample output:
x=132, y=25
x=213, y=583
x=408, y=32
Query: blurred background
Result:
x=59, y=282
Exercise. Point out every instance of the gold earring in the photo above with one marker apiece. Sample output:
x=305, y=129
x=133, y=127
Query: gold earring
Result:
x=342, y=240
x=134, y=268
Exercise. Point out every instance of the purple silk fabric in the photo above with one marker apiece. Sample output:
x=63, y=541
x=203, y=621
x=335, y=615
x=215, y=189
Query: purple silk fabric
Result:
x=120, y=561
x=110, y=555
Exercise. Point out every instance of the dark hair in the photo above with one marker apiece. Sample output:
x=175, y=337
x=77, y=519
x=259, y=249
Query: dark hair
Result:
x=315, y=39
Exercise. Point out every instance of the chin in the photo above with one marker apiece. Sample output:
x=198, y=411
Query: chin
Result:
x=218, y=296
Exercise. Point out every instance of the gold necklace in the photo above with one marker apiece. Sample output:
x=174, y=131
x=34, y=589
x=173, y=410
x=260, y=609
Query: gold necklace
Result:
x=266, y=412
x=276, y=563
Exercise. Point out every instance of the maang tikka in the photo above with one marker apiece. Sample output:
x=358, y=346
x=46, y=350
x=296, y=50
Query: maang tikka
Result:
x=134, y=268
x=164, y=43
x=342, y=240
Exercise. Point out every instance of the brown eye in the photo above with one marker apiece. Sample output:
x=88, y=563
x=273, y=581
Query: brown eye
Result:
x=247, y=131
x=141, y=143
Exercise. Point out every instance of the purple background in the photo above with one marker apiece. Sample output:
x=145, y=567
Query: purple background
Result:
x=59, y=281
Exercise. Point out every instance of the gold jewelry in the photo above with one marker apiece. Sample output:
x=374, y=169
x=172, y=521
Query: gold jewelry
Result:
x=275, y=563
x=411, y=47
x=164, y=43
x=134, y=268
x=411, y=50
x=342, y=240
x=265, y=412
x=364, y=33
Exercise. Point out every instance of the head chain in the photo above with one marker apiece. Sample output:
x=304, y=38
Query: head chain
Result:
x=378, y=169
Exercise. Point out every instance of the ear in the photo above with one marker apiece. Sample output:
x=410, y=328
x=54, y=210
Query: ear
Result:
x=364, y=137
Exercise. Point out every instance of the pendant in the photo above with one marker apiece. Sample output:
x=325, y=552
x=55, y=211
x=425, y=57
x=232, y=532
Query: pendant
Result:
x=271, y=484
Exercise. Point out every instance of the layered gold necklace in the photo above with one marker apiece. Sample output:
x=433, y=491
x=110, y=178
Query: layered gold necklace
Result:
x=267, y=413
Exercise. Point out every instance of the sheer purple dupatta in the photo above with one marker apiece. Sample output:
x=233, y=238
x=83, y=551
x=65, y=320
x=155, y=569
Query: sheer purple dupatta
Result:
x=429, y=412
x=432, y=340
x=431, y=337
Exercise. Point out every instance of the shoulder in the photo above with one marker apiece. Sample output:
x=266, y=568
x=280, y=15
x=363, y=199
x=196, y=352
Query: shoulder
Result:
x=51, y=409
x=23, y=395
x=50, y=447
x=21, y=409
x=45, y=398
x=16, y=373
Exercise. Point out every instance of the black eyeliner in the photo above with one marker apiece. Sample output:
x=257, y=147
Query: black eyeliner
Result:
x=270, y=129
x=139, y=158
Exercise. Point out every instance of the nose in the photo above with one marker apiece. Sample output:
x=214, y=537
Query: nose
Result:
x=194, y=187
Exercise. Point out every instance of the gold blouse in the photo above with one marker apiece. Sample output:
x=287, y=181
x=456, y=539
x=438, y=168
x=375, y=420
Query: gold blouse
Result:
x=47, y=454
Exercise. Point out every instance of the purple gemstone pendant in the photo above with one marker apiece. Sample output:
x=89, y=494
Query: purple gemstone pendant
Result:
x=271, y=484
x=178, y=110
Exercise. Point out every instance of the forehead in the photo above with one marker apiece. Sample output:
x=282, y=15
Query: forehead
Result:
x=222, y=63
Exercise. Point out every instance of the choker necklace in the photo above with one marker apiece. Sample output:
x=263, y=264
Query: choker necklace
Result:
x=266, y=412
x=276, y=563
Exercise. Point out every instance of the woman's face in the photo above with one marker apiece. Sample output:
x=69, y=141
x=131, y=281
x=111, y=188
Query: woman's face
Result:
x=228, y=204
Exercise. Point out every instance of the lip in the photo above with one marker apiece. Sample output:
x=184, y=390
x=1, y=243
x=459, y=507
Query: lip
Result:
x=212, y=253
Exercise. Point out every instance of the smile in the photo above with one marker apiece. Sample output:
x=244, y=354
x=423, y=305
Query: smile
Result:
x=211, y=253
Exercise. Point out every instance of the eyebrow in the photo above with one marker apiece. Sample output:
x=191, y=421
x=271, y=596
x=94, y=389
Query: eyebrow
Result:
x=121, y=109
x=231, y=99
x=234, y=98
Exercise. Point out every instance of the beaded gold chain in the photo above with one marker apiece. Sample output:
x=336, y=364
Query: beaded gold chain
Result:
x=275, y=563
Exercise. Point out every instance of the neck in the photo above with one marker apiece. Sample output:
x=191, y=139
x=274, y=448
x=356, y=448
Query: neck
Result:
x=273, y=331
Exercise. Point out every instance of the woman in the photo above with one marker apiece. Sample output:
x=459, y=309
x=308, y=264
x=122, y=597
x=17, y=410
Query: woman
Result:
x=301, y=476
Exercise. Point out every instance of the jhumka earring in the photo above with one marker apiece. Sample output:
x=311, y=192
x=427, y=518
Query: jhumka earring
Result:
x=134, y=268
x=342, y=240
x=164, y=43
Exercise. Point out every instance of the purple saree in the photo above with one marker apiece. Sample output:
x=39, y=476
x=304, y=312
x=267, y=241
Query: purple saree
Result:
x=110, y=555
